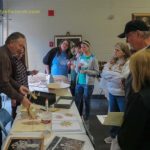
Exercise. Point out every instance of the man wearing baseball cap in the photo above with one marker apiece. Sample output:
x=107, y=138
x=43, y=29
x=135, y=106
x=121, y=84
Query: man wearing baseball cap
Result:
x=132, y=130
x=137, y=34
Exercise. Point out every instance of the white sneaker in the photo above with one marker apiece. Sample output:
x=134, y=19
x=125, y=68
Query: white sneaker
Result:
x=108, y=140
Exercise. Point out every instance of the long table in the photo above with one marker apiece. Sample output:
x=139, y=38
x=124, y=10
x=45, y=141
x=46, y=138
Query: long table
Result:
x=82, y=135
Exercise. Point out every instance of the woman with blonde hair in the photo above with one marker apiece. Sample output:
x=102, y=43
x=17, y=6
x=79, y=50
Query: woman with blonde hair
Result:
x=87, y=70
x=135, y=131
x=114, y=72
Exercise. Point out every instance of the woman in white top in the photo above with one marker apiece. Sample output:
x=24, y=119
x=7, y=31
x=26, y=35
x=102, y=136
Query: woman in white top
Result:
x=115, y=72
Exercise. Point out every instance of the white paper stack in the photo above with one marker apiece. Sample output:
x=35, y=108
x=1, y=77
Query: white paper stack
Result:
x=66, y=126
x=65, y=122
x=113, y=118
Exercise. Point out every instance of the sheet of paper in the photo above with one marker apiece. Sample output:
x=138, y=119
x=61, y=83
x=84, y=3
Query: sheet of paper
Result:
x=29, y=126
x=64, y=102
x=113, y=118
x=101, y=118
x=66, y=126
x=64, y=116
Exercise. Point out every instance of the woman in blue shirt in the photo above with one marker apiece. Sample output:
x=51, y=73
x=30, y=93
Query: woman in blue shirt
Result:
x=56, y=60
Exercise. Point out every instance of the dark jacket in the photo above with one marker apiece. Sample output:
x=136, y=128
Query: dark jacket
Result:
x=48, y=58
x=134, y=133
x=7, y=84
x=128, y=87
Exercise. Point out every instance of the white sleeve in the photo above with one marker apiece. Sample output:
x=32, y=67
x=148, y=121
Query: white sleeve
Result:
x=125, y=70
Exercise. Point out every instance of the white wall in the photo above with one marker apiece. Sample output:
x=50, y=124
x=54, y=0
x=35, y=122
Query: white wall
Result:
x=99, y=21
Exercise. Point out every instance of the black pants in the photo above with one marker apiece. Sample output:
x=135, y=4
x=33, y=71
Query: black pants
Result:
x=14, y=108
x=72, y=87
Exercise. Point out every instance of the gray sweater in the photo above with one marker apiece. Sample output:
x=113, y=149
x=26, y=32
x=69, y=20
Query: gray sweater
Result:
x=91, y=72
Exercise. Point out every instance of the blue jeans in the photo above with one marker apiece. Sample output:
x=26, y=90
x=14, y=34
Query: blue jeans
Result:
x=83, y=95
x=116, y=104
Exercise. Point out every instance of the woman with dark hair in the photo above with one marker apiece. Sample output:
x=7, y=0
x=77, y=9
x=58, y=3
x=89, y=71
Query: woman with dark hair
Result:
x=56, y=60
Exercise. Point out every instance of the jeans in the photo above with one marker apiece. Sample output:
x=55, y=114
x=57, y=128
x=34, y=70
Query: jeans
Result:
x=116, y=104
x=83, y=95
x=72, y=87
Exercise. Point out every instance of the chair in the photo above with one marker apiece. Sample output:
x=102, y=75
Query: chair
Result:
x=5, y=118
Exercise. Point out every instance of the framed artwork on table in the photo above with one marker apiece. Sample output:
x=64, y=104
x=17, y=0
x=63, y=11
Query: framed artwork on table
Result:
x=73, y=39
x=24, y=142
x=142, y=16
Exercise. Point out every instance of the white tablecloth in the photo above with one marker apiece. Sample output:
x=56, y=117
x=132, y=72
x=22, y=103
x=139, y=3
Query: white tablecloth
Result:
x=48, y=137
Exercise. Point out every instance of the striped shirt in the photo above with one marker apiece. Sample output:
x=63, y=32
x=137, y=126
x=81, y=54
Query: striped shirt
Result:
x=20, y=72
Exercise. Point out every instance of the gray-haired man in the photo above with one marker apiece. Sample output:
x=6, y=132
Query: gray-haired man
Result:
x=131, y=136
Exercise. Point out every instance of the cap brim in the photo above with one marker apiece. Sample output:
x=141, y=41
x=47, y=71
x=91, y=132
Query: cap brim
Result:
x=122, y=35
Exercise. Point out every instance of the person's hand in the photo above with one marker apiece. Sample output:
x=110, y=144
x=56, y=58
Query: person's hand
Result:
x=26, y=103
x=13, y=102
x=73, y=66
x=83, y=71
x=69, y=64
x=80, y=65
x=112, y=61
x=23, y=90
x=122, y=84
x=34, y=72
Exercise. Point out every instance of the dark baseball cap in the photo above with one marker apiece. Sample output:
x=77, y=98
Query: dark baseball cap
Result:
x=133, y=25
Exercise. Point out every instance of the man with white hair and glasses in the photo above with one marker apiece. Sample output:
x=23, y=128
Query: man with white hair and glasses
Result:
x=137, y=34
